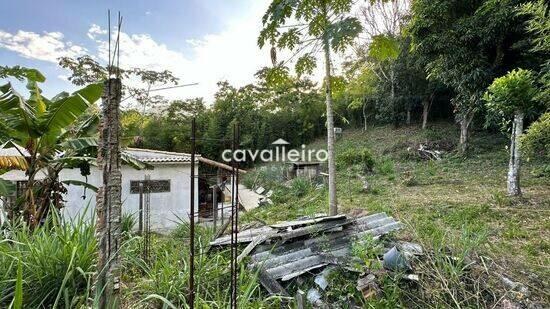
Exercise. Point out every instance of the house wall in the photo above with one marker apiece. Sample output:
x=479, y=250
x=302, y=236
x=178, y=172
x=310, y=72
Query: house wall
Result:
x=167, y=208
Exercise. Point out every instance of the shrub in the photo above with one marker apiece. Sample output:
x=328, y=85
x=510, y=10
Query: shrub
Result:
x=300, y=186
x=536, y=142
x=385, y=167
x=354, y=156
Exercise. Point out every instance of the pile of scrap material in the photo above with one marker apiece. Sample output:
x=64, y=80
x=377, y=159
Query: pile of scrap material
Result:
x=289, y=249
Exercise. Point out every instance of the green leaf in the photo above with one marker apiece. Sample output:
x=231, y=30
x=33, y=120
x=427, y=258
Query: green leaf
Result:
x=289, y=39
x=133, y=162
x=18, y=295
x=383, y=48
x=6, y=187
x=78, y=144
x=22, y=114
x=66, y=110
x=81, y=184
x=343, y=32
x=305, y=65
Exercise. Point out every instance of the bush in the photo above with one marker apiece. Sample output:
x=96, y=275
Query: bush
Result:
x=536, y=142
x=354, y=156
x=386, y=167
x=300, y=186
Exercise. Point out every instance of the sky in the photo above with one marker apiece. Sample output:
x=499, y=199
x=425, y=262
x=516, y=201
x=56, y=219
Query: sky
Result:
x=200, y=41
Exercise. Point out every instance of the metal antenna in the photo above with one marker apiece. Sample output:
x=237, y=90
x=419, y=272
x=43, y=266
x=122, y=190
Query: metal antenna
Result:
x=118, y=45
x=109, y=34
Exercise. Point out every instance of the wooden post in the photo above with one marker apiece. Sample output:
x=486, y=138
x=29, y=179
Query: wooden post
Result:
x=108, y=200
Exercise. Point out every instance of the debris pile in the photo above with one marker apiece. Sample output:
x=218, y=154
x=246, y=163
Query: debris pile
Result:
x=287, y=250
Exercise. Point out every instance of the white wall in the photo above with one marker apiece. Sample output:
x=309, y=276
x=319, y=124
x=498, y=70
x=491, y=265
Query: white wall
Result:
x=167, y=208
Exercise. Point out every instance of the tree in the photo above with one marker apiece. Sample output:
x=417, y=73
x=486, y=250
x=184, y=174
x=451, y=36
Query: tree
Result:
x=383, y=21
x=46, y=128
x=85, y=70
x=465, y=45
x=512, y=95
x=320, y=23
x=362, y=88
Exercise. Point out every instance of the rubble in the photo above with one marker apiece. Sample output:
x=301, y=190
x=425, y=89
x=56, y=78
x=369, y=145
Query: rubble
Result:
x=287, y=250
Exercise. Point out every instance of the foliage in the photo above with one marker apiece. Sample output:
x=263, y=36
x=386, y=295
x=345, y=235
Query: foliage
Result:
x=536, y=141
x=57, y=264
x=164, y=279
x=300, y=186
x=466, y=44
x=127, y=223
x=353, y=156
x=538, y=25
x=511, y=93
x=45, y=128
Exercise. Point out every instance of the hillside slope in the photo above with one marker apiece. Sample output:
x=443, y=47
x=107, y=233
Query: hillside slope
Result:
x=458, y=202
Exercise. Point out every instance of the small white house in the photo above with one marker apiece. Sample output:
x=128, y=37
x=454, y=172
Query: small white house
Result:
x=170, y=197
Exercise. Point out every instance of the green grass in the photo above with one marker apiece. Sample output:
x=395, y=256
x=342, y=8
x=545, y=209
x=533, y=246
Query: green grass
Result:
x=460, y=199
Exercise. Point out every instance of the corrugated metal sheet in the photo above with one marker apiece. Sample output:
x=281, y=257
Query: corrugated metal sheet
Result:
x=157, y=156
x=296, y=247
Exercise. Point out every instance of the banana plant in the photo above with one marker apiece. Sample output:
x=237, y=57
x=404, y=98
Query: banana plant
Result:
x=45, y=128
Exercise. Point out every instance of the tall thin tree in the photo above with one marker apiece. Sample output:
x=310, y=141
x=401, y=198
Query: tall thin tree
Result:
x=310, y=26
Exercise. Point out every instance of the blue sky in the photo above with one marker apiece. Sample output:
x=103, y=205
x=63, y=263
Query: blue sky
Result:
x=199, y=40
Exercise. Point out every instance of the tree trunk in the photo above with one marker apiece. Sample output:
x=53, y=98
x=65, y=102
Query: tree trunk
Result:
x=392, y=98
x=408, y=116
x=333, y=204
x=515, y=156
x=108, y=201
x=465, y=121
x=425, y=111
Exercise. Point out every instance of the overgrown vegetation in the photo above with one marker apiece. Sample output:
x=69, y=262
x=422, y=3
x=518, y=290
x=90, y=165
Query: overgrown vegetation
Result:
x=458, y=211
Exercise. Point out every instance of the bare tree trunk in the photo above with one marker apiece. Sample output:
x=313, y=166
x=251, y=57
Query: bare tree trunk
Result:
x=425, y=111
x=333, y=204
x=392, y=97
x=108, y=201
x=465, y=121
x=515, y=156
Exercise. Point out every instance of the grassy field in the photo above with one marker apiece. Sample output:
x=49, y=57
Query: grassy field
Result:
x=458, y=202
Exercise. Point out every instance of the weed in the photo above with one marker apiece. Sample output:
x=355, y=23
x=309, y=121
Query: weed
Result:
x=362, y=157
x=385, y=167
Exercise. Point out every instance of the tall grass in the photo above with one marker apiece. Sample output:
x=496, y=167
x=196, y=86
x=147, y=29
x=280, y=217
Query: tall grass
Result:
x=57, y=263
x=163, y=281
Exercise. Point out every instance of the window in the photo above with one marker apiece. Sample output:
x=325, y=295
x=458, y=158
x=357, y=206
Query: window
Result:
x=154, y=186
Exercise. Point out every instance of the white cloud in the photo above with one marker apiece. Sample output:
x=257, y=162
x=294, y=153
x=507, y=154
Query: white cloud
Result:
x=47, y=46
x=231, y=55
